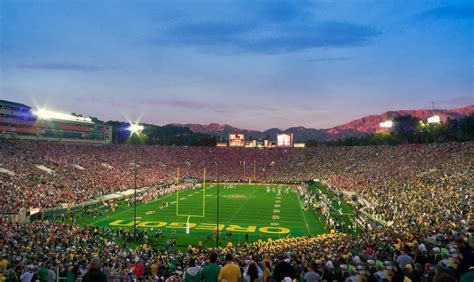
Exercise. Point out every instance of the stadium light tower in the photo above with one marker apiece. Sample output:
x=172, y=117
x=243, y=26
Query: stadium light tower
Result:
x=434, y=119
x=50, y=115
x=135, y=128
x=386, y=124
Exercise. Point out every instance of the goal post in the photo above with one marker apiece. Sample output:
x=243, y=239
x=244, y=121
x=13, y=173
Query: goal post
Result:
x=253, y=174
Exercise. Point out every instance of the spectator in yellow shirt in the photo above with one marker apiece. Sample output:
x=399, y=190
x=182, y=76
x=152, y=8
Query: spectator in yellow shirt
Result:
x=230, y=272
x=3, y=263
x=154, y=270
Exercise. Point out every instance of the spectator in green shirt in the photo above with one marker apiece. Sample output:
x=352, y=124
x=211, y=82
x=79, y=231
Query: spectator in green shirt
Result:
x=210, y=271
x=43, y=273
x=193, y=272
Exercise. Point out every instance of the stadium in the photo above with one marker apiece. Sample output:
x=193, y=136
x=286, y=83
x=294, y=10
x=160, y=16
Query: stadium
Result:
x=236, y=141
x=160, y=205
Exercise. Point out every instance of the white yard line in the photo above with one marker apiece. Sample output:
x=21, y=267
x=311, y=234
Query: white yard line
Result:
x=304, y=216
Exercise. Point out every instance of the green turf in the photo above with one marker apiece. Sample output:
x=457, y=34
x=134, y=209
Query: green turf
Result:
x=247, y=206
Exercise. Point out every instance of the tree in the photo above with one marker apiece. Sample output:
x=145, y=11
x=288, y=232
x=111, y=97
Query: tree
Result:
x=407, y=128
x=311, y=143
x=467, y=127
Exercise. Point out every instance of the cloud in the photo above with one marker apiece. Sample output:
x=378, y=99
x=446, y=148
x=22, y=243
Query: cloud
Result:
x=199, y=34
x=328, y=59
x=280, y=11
x=179, y=104
x=176, y=103
x=63, y=67
x=448, y=12
x=260, y=27
x=257, y=27
x=263, y=38
x=215, y=107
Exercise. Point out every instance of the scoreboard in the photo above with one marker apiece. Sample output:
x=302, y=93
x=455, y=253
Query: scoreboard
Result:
x=285, y=140
x=236, y=140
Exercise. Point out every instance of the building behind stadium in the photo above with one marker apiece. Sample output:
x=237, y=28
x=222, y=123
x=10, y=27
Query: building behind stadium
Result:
x=19, y=121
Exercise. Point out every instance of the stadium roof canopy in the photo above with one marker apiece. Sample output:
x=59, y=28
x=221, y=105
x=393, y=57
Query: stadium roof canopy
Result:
x=9, y=103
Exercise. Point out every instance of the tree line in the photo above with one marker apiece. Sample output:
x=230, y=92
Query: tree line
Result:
x=406, y=129
x=159, y=135
x=409, y=129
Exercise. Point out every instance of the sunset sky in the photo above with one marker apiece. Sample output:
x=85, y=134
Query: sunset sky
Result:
x=250, y=64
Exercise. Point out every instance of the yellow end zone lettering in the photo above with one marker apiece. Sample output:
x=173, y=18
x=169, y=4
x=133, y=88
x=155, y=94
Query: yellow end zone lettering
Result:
x=274, y=230
x=156, y=224
x=180, y=225
x=202, y=226
x=238, y=228
x=120, y=223
x=209, y=226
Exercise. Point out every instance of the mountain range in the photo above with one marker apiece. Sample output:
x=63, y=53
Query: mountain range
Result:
x=359, y=127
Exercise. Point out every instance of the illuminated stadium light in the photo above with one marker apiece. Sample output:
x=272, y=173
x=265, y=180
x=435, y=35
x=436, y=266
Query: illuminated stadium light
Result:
x=434, y=119
x=135, y=127
x=386, y=124
x=45, y=114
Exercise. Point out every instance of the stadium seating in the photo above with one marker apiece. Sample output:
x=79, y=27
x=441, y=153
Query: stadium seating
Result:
x=423, y=192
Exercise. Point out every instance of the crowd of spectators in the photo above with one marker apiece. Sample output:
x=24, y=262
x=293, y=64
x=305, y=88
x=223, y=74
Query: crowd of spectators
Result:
x=422, y=192
x=75, y=173
x=47, y=250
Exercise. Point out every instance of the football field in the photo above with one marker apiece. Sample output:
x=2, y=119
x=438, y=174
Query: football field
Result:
x=260, y=211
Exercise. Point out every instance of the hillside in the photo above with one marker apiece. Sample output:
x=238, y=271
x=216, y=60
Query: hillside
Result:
x=358, y=127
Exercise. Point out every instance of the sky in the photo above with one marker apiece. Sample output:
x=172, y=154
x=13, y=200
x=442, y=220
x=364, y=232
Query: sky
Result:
x=251, y=64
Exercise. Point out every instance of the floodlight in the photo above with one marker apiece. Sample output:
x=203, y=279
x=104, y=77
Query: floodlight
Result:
x=434, y=119
x=46, y=114
x=135, y=127
x=386, y=124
